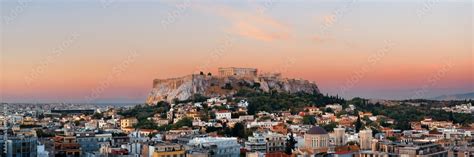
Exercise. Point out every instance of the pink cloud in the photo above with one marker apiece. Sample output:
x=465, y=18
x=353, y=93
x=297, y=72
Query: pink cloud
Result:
x=248, y=24
x=246, y=29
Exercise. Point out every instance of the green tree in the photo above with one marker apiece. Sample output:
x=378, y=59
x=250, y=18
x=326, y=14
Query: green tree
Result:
x=175, y=101
x=252, y=109
x=186, y=121
x=212, y=115
x=41, y=116
x=384, y=123
x=40, y=133
x=256, y=86
x=205, y=106
x=403, y=124
x=328, y=110
x=97, y=115
x=290, y=144
x=145, y=124
x=204, y=117
x=238, y=130
x=309, y=120
x=152, y=135
x=392, y=138
x=277, y=101
x=77, y=123
x=358, y=124
x=329, y=127
x=199, y=98
x=228, y=86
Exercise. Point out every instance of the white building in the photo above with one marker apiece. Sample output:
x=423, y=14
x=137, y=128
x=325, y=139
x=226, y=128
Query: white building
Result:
x=275, y=142
x=339, y=136
x=220, y=146
x=449, y=133
x=217, y=100
x=266, y=142
x=91, y=125
x=243, y=103
x=102, y=123
x=365, y=139
x=335, y=107
x=246, y=118
x=223, y=114
x=256, y=143
x=267, y=125
x=41, y=151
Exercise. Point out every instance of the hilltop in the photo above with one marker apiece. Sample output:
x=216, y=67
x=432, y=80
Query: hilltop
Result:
x=183, y=88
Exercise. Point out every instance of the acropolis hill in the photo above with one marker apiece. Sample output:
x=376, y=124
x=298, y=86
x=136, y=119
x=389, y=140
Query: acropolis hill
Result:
x=227, y=83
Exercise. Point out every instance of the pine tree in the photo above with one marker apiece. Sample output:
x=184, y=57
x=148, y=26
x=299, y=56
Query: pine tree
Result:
x=238, y=130
x=358, y=124
x=290, y=144
x=451, y=117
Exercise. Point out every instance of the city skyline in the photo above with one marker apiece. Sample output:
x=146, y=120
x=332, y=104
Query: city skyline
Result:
x=54, y=51
x=235, y=78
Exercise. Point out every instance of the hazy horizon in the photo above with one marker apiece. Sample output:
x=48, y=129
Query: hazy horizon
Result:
x=111, y=50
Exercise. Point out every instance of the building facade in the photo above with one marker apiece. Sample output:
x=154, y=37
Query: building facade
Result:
x=223, y=115
x=233, y=71
x=256, y=143
x=317, y=139
x=91, y=142
x=19, y=146
x=67, y=146
x=365, y=139
x=405, y=149
x=339, y=136
x=275, y=142
x=217, y=146
x=169, y=150
x=128, y=122
x=266, y=142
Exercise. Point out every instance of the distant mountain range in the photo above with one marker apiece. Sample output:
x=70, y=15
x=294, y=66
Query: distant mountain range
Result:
x=463, y=96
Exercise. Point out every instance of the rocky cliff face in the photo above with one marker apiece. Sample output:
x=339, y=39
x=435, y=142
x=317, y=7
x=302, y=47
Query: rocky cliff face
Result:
x=183, y=88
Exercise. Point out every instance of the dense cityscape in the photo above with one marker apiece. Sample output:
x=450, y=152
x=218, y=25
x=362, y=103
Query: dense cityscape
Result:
x=250, y=122
x=236, y=78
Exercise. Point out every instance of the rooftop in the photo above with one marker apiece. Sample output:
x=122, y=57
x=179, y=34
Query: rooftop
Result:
x=316, y=130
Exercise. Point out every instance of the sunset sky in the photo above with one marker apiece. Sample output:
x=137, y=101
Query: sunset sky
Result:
x=66, y=51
